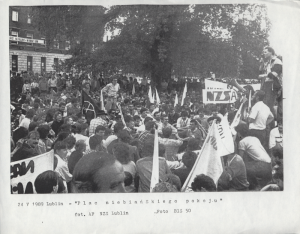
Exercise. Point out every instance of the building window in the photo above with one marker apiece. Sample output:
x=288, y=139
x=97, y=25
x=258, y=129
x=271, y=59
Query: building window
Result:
x=43, y=38
x=56, y=64
x=29, y=63
x=43, y=64
x=14, y=63
x=30, y=35
x=68, y=46
x=28, y=20
x=15, y=16
x=55, y=44
x=14, y=33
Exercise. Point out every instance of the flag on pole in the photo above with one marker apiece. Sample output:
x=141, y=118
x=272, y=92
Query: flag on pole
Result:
x=208, y=161
x=249, y=104
x=224, y=136
x=150, y=96
x=89, y=106
x=176, y=100
x=155, y=165
x=184, y=94
x=121, y=113
x=157, y=97
x=153, y=98
x=102, y=101
x=133, y=89
x=236, y=119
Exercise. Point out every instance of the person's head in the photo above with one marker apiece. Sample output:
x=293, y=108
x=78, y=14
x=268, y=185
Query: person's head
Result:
x=150, y=125
x=95, y=142
x=129, y=121
x=46, y=182
x=65, y=128
x=165, y=119
x=33, y=126
x=137, y=120
x=100, y=130
x=70, y=141
x=143, y=112
x=193, y=144
x=98, y=172
x=259, y=95
x=193, y=124
x=121, y=152
x=211, y=119
x=81, y=128
x=33, y=138
x=164, y=187
x=203, y=183
x=80, y=146
x=57, y=116
x=268, y=52
x=60, y=148
x=124, y=136
x=147, y=119
x=43, y=131
x=30, y=113
x=62, y=106
x=151, y=107
x=280, y=127
x=118, y=127
x=114, y=81
x=189, y=159
x=81, y=118
x=157, y=115
x=69, y=120
x=184, y=115
x=167, y=132
x=101, y=114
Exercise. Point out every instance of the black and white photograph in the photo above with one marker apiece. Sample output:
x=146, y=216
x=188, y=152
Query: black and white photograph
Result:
x=182, y=104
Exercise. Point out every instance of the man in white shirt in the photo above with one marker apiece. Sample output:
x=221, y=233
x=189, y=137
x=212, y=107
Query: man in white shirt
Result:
x=260, y=116
x=111, y=90
x=183, y=122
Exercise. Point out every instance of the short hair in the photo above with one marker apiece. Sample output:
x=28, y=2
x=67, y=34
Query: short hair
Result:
x=118, y=126
x=156, y=112
x=45, y=182
x=86, y=170
x=164, y=187
x=270, y=49
x=94, y=141
x=56, y=114
x=32, y=126
x=67, y=119
x=189, y=159
x=136, y=117
x=149, y=125
x=36, y=133
x=167, y=132
x=128, y=118
x=203, y=181
x=70, y=141
x=124, y=136
x=121, y=152
x=194, y=121
x=30, y=113
x=100, y=127
x=242, y=129
x=143, y=109
x=80, y=144
x=193, y=144
x=147, y=119
x=59, y=145
x=184, y=114
x=260, y=94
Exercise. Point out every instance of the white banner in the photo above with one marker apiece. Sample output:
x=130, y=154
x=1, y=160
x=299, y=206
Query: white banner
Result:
x=27, y=40
x=24, y=172
x=224, y=96
x=226, y=145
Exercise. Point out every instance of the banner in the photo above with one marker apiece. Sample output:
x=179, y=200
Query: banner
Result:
x=24, y=172
x=224, y=136
x=155, y=165
x=27, y=40
x=89, y=106
x=225, y=96
x=208, y=162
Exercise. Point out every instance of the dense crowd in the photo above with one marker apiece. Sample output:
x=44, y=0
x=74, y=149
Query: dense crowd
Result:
x=112, y=151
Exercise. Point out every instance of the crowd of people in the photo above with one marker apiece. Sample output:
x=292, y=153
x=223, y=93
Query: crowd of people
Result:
x=112, y=151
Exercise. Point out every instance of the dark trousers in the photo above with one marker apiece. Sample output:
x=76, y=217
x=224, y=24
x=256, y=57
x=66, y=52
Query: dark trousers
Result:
x=258, y=174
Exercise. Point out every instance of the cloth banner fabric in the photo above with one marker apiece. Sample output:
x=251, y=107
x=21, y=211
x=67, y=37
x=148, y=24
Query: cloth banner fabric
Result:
x=89, y=106
x=155, y=165
x=224, y=96
x=226, y=145
x=208, y=162
x=24, y=172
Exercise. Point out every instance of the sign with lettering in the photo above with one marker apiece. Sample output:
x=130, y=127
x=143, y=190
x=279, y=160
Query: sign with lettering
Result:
x=24, y=172
x=27, y=40
x=224, y=96
x=211, y=84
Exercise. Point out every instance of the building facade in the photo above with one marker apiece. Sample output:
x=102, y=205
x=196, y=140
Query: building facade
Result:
x=27, y=47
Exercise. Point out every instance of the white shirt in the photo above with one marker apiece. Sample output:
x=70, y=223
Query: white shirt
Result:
x=274, y=133
x=84, y=138
x=260, y=113
x=25, y=123
x=182, y=123
x=253, y=148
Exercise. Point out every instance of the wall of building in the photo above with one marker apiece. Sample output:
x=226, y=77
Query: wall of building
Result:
x=36, y=60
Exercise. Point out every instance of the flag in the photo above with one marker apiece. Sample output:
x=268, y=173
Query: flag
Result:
x=121, y=113
x=89, y=106
x=176, y=100
x=249, y=104
x=155, y=165
x=133, y=89
x=102, y=101
x=157, y=97
x=225, y=137
x=208, y=161
x=236, y=119
x=153, y=98
x=184, y=94
x=150, y=96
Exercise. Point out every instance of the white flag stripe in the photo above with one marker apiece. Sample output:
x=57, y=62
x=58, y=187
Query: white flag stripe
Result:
x=176, y=100
x=155, y=166
x=184, y=94
x=157, y=97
